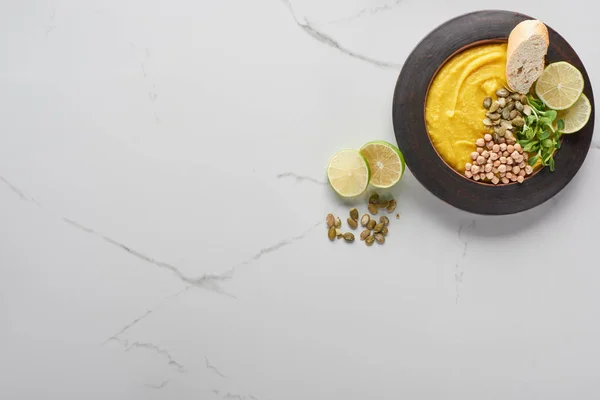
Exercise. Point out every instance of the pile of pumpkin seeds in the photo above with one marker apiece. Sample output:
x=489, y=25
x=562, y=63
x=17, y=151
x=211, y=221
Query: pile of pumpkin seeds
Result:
x=373, y=231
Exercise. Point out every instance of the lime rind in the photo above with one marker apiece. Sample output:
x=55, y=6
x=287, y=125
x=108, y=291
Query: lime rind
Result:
x=576, y=128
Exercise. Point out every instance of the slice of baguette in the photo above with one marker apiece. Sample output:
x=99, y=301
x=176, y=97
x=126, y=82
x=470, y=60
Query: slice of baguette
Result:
x=527, y=46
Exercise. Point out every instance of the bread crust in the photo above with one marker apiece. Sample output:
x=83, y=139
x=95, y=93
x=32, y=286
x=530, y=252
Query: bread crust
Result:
x=520, y=34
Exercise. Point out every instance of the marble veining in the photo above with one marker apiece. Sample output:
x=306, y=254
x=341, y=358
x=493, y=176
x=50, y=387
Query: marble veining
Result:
x=162, y=219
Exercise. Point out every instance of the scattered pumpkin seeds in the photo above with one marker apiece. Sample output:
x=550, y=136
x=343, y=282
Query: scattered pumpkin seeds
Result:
x=338, y=222
x=374, y=199
x=354, y=214
x=384, y=220
x=371, y=224
x=392, y=206
x=331, y=233
x=384, y=204
x=349, y=237
x=378, y=228
x=373, y=209
x=370, y=240
x=365, y=220
x=380, y=238
x=353, y=224
x=330, y=220
x=364, y=234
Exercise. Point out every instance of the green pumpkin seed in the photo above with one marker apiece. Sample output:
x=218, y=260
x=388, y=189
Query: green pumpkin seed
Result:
x=378, y=228
x=348, y=237
x=371, y=224
x=373, y=209
x=502, y=93
x=364, y=234
x=352, y=223
x=392, y=206
x=370, y=240
x=374, y=199
x=380, y=238
x=487, y=102
x=354, y=214
x=384, y=220
x=330, y=220
x=365, y=220
x=331, y=233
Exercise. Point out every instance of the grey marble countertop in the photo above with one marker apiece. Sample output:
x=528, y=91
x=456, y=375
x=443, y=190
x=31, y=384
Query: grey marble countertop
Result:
x=163, y=198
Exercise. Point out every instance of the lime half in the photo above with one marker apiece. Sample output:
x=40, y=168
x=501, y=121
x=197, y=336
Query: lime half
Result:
x=560, y=85
x=348, y=173
x=385, y=161
x=576, y=116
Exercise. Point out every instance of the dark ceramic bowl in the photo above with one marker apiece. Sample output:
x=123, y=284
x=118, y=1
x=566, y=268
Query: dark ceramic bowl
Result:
x=413, y=140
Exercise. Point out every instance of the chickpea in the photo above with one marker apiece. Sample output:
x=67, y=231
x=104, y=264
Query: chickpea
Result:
x=480, y=142
x=509, y=175
x=485, y=154
x=505, y=180
x=522, y=172
x=494, y=156
x=468, y=166
x=503, y=160
x=488, y=168
x=479, y=150
x=482, y=175
x=501, y=140
x=476, y=177
x=510, y=148
x=528, y=169
x=502, y=168
x=474, y=155
x=497, y=163
x=513, y=178
x=509, y=161
x=515, y=154
x=522, y=164
x=520, y=179
x=505, y=153
x=516, y=170
x=503, y=146
x=489, y=175
x=480, y=160
x=496, y=148
x=487, y=137
x=468, y=174
x=495, y=180
x=475, y=169
x=518, y=148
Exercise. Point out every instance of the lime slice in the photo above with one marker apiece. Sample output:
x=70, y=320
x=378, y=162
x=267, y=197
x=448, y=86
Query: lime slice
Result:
x=576, y=116
x=348, y=173
x=560, y=85
x=385, y=161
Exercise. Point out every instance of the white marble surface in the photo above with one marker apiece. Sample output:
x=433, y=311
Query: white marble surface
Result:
x=162, y=207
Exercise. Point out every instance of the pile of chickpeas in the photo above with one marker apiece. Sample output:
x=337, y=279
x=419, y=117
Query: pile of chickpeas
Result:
x=498, y=162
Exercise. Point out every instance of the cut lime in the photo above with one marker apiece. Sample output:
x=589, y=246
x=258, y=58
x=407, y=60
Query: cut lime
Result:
x=385, y=161
x=560, y=85
x=348, y=173
x=576, y=116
